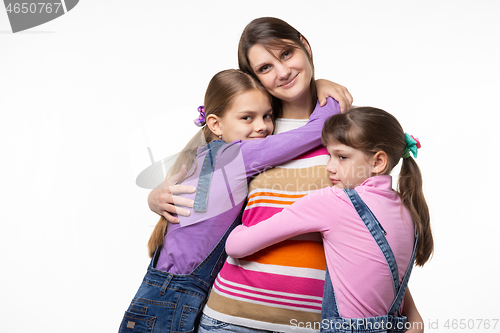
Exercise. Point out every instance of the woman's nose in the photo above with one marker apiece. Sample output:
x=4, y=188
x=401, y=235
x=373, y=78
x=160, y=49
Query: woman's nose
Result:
x=282, y=71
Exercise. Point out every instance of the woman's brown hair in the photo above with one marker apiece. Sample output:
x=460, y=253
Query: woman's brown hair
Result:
x=372, y=130
x=273, y=33
x=221, y=92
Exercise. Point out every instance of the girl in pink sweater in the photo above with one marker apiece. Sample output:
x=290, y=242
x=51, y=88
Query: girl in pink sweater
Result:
x=361, y=243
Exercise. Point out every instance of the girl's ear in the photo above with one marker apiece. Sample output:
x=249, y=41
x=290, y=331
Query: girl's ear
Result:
x=306, y=45
x=213, y=123
x=380, y=161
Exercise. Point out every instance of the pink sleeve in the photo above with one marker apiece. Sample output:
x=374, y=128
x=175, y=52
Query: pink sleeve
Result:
x=308, y=214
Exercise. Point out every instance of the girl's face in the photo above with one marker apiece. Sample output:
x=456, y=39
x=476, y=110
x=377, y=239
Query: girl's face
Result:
x=348, y=167
x=286, y=72
x=248, y=118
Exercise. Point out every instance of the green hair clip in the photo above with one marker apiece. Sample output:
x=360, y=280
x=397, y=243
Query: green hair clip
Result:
x=412, y=145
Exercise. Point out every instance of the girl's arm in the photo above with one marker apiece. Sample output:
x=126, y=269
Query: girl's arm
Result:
x=340, y=93
x=305, y=215
x=277, y=149
x=258, y=155
x=411, y=312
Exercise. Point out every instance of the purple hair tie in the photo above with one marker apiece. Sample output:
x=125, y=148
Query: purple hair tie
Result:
x=200, y=121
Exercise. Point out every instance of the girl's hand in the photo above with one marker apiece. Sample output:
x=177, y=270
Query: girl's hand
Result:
x=163, y=201
x=339, y=93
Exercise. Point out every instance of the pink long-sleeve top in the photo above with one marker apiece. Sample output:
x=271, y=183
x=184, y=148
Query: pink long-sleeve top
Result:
x=359, y=272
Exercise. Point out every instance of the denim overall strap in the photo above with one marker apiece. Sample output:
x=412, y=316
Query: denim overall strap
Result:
x=377, y=232
x=208, y=269
x=331, y=321
x=329, y=308
x=205, y=179
x=396, y=305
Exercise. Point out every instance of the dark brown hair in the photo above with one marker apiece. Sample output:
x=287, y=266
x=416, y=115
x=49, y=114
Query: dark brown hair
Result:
x=221, y=92
x=371, y=130
x=273, y=33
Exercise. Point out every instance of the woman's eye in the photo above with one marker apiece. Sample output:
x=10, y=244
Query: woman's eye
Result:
x=247, y=118
x=342, y=158
x=264, y=69
x=287, y=54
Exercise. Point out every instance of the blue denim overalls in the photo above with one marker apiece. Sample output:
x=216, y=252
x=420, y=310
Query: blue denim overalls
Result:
x=167, y=302
x=393, y=322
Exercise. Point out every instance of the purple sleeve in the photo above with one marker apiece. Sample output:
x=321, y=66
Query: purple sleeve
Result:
x=278, y=149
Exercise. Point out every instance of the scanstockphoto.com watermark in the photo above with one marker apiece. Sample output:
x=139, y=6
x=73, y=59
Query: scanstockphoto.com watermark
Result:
x=432, y=324
x=26, y=14
x=355, y=324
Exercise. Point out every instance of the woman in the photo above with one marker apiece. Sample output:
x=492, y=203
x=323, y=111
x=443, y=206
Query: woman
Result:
x=281, y=287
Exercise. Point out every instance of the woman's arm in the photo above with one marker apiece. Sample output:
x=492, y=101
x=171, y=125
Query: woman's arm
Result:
x=257, y=155
x=411, y=312
x=340, y=93
x=163, y=199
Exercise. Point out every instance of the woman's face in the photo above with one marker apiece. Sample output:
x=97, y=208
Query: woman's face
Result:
x=285, y=72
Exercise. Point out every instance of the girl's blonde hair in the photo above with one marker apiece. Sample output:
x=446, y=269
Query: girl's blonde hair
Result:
x=273, y=33
x=221, y=92
x=372, y=130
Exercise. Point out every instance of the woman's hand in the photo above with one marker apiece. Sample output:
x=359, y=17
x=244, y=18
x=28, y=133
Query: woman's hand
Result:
x=163, y=201
x=339, y=93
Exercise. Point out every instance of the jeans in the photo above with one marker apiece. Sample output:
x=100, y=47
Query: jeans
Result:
x=210, y=325
x=167, y=302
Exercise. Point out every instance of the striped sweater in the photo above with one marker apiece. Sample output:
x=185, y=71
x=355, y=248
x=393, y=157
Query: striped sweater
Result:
x=280, y=287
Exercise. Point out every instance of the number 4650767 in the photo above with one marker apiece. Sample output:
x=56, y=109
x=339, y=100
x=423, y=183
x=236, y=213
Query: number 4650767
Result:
x=33, y=7
x=471, y=324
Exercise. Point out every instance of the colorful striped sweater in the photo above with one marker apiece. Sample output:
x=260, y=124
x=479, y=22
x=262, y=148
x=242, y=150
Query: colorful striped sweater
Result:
x=282, y=285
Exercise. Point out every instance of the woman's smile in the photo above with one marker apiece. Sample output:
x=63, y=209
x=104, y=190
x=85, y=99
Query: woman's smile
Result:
x=289, y=83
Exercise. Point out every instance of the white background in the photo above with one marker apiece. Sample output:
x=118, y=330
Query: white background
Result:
x=83, y=96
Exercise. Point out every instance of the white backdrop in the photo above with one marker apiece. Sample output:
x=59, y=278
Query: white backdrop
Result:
x=83, y=96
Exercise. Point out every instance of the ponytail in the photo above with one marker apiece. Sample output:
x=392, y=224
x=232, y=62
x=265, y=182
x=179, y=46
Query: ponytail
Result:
x=157, y=238
x=186, y=157
x=412, y=196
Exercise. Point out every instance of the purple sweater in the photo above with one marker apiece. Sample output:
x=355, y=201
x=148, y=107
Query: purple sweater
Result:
x=188, y=243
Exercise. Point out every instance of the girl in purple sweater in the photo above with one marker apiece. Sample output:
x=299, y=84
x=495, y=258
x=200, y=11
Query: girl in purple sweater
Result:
x=186, y=257
x=364, y=144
